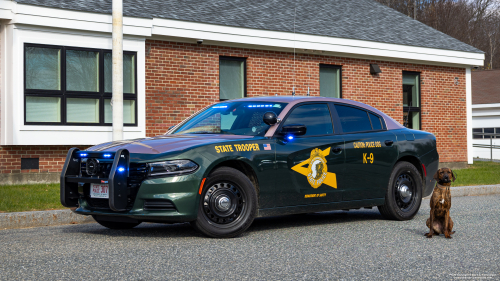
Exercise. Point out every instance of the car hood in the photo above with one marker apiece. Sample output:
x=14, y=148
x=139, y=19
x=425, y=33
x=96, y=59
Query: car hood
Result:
x=165, y=143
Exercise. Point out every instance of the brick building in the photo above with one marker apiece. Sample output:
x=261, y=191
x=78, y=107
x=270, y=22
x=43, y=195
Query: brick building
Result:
x=180, y=56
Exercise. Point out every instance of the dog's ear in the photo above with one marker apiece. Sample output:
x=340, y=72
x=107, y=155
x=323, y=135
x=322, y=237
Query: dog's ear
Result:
x=436, y=175
x=453, y=175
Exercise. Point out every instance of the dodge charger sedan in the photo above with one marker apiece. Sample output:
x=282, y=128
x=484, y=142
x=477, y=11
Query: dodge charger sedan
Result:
x=238, y=160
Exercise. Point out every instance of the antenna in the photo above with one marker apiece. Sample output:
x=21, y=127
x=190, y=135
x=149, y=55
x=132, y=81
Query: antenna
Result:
x=294, y=15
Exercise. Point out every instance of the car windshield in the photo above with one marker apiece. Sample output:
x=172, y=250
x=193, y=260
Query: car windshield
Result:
x=234, y=118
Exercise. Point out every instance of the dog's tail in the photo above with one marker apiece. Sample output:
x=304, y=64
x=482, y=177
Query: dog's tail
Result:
x=453, y=232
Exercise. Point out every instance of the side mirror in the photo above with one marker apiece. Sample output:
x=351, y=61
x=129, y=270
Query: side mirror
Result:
x=270, y=118
x=294, y=130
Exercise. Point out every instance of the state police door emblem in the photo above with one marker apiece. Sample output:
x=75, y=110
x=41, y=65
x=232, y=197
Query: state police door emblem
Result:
x=317, y=170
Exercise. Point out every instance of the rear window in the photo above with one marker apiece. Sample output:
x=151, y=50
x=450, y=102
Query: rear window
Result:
x=376, y=122
x=353, y=119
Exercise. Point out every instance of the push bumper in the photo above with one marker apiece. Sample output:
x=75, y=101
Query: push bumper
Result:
x=165, y=199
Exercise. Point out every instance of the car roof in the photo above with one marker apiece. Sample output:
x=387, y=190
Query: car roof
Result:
x=293, y=100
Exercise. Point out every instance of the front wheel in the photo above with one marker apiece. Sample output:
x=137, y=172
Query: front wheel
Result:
x=404, y=193
x=228, y=204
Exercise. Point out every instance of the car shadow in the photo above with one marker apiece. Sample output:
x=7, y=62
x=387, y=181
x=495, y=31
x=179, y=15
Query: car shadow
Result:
x=150, y=230
x=184, y=230
x=313, y=219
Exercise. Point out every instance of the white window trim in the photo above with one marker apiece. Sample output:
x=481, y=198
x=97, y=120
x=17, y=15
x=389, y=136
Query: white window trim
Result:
x=13, y=130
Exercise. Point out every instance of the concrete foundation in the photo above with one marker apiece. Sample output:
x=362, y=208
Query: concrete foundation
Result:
x=27, y=178
x=454, y=165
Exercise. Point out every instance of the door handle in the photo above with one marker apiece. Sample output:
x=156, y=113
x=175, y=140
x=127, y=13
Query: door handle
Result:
x=337, y=149
x=388, y=142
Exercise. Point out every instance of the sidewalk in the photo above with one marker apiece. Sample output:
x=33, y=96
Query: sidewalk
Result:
x=61, y=217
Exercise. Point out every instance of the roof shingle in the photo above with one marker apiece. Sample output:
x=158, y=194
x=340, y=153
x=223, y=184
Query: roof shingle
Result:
x=360, y=19
x=485, y=86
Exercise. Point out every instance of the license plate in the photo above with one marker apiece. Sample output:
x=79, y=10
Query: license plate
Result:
x=98, y=190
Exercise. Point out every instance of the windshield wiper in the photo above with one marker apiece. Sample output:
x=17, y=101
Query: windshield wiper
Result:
x=203, y=132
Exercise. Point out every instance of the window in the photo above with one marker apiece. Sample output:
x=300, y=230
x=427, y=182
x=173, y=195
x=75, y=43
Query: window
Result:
x=353, y=119
x=330, y=81
x=495, y=131
x=477, y=130
x=72, y=86
x=316, y=118
x=232, y=78
x=411, y=100
x=234, y=118
x=376, y=121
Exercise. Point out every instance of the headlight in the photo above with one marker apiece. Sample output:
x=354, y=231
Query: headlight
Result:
x=174, y=167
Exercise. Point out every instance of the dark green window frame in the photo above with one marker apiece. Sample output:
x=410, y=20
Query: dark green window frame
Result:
x=324, y=70
x=222, y=81
x=412, y=106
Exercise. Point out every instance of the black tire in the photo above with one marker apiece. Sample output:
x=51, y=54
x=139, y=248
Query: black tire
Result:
x=228, y=204
x=115, y=224
x=404, y=193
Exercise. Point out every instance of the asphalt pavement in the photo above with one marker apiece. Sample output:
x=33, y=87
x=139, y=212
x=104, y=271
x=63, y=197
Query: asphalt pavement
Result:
x=60, y=217
x=338, y=245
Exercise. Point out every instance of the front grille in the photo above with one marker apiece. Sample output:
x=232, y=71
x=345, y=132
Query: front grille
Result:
x=102, y=171
x=158, y=204
x=137, y=174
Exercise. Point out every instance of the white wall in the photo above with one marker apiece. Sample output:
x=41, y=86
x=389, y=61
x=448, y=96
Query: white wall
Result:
x=486, y=116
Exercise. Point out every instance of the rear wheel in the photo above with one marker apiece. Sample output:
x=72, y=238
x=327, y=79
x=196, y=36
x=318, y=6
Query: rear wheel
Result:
x=404, y=193
x=228, y=204
x=116, y=224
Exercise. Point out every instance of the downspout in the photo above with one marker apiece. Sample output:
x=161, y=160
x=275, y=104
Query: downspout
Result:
x=468, y=100
x=117, y=53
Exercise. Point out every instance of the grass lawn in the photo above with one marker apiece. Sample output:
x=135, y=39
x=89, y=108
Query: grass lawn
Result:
x=479, y=173
x=29, y=197
x=37, y=197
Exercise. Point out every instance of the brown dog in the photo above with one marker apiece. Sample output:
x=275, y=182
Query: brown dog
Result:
x=440, y=221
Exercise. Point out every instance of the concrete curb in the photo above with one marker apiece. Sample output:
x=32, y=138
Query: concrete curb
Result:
x=459, y=191
x=41, y=218
x=61, y=217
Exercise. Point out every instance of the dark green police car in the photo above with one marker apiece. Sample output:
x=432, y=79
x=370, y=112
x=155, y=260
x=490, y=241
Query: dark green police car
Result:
x=254, y=157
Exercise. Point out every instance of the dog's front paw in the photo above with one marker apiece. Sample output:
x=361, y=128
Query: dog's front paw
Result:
x=428, y=235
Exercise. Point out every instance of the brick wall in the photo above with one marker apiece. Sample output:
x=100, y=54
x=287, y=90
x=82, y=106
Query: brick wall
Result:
x=182, y=78
x=51, y=157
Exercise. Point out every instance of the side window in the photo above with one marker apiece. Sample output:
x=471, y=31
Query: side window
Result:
x=411, y=100
x=329, y=81
x=376, y=122
x=316, y=118
x=353, y=119
x=232, y=78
